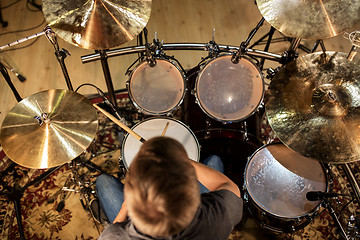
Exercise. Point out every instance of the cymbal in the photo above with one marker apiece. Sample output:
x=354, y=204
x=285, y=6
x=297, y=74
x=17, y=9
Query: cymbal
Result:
x=48, y=129
x=97, y=24
x=313, y=19
x=313, y=106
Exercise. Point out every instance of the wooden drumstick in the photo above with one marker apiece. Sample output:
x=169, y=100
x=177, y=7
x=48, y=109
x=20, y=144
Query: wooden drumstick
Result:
x=120, y=124
x=165, y=129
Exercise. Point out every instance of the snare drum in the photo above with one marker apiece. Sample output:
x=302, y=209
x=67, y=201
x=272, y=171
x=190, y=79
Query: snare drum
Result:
x=156, y=90
x=276, y=182
x=229, y=92
x=153, y=127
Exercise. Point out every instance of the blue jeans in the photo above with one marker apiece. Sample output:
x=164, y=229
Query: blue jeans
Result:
x=110, y=190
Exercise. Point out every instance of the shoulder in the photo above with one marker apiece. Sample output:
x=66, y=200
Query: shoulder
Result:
x=223, y=202
x=223, y=196
x=114, y=231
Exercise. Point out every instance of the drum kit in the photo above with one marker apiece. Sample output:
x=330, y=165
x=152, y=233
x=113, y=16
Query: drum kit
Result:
x=312, y=103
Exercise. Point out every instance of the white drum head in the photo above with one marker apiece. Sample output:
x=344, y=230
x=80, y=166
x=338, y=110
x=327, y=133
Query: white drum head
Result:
x=278, y=178
x=229, y=92
x=154, y=127
x=156, y=90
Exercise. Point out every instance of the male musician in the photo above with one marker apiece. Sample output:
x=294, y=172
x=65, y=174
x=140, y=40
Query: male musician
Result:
x=162, y=199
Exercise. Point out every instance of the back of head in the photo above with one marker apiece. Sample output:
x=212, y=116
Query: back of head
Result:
x=161, y=189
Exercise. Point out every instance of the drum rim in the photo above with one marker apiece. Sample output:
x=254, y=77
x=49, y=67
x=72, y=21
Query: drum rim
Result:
x=152, y=118
x=148, y=112
x=232, y=120
x=247, y=192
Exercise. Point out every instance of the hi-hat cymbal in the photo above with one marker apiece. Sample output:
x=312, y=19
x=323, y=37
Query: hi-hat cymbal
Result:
x=97, y=24
x=48, y=129
x=313, y=106
x=310, y=19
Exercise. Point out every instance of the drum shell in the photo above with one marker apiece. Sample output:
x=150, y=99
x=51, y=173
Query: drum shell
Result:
x=157, y=90
x=268, y=218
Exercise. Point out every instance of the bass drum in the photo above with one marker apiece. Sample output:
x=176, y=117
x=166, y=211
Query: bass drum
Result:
x=234, y=147
x=153, y=127
x=276, y=182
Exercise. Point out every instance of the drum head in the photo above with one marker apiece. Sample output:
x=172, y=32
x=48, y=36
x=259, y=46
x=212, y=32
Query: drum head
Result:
x=229, y=92
x=153, y=127
x=278, y=178
x=156, y=90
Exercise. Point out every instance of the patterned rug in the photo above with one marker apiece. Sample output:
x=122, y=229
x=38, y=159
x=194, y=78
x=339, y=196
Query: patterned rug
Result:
x=57, y=206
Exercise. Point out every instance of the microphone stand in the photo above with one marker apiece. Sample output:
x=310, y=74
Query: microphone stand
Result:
x=8, y=80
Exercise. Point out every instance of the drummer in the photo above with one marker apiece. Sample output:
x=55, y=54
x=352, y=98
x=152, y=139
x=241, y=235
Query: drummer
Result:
x=161, y=200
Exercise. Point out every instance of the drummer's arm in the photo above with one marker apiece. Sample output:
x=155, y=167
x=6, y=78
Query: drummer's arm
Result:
x=214, y=180
x=122, y=215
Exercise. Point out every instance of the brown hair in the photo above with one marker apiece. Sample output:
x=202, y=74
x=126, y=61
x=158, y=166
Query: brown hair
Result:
x=161, y=189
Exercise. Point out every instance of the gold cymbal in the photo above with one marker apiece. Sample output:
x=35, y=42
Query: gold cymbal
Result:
x=313, y=106
x=310, y=19
x=48, y=129
x=97, y=24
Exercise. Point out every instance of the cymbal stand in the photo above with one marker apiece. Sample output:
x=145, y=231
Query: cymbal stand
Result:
x=107, y=75
x=15, y=193
x=60, y=55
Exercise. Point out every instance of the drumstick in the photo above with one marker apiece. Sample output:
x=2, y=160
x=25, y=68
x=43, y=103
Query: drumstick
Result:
x=165, y=129
x=120, y=124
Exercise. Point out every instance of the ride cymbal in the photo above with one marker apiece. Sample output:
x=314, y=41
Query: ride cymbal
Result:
x=313, y=106
x=97, y=24
x=48, y=129
x=310, y=19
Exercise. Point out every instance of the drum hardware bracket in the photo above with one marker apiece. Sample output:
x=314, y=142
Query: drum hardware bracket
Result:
x=271, y=72
x=212, y=47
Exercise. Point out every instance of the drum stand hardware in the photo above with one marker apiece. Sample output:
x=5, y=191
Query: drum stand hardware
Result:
x=327, y=205
x=353, y=228
x=8, y=80
x=3, y=23
x=81, y=184
x=15, y=193
x=242, y=49
x=60, y=55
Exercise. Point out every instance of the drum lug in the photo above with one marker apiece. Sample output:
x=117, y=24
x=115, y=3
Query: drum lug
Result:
x=245, y=197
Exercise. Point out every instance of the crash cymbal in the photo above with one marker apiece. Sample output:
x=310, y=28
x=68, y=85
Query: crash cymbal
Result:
x=48, y=129
x=97, y=24
x=310, y=19
x=313, y=106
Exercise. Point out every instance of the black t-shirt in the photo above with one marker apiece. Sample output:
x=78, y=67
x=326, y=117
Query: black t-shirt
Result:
x=218, y=213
